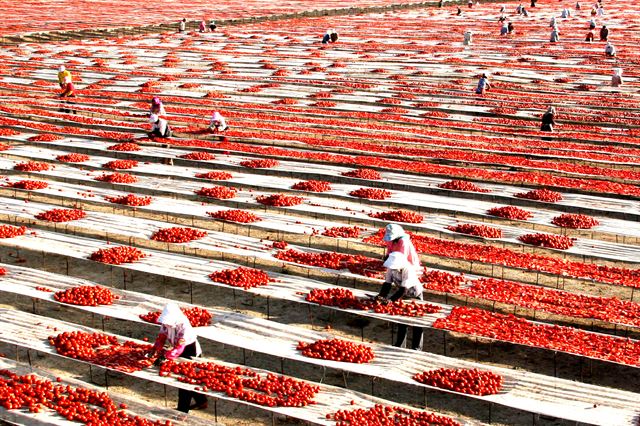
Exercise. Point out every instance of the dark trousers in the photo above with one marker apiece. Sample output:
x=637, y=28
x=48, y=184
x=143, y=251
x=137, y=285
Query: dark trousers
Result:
x=416, y=338
x=185, y=396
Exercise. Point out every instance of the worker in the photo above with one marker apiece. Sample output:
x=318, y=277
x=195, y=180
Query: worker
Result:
x=327, y=37
x=609, y=50
x=504, y=30
x=157, y=107
x=470, y=4
x=68, y=90
x=593, y=11
x=604, y=33
x=548, y=120
x=600, y=11
x=511, y=28
x=218, y=123
x=519, y=9
x=182, y=25
x=616, y=78
x=160, y=128
x=398, y=241
x=402, y=275
x=592, y=24
x=483, y=85
x=533, y=3
x=503, y=9
x=468, y=38
x=555, y=35
x=212, y=25
x=177, y=331
x=577, y=5
x=553, y=22
x=63, y=73
x=524, y=12
x=203, y=26
x=590, y=36
x=333, y=36
x=459, y=12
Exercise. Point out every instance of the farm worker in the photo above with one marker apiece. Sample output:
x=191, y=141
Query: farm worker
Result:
x=183, y=25
x=177, y=331
x=483, y=85
x=555, y=35
x=504, y=30
x=553, y=22
x=533, y=3
x=592, y=24
x=616, y=78
x=333, y=36
x=604, y=33
x=590, y=36
x=459, y=12
x=68, y=89
x=203, y=26
x=548, y=120
x=511, y=28
x=160, y=128
x=218, y=123
x=593, y=11
x=398, y=241
x=600, y=11
x=470, y=4
x=157, y=107
x=503, y=9
x=577, y=5
x=524, y=12
x=519, y=9
x=63, y=73
x=402, y=275
x=468, y=38
x=327, y=37
x=609, y=50
x=212, y=25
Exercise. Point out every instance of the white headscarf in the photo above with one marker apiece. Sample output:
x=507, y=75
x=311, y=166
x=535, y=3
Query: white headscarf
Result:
x=396, y=260
x=62, y=68
x=393, y=232
x=617, y=72
x=172, y=315
x=177, y=326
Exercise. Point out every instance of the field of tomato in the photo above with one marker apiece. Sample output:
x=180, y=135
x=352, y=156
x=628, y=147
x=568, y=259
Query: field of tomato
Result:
x=269, y=235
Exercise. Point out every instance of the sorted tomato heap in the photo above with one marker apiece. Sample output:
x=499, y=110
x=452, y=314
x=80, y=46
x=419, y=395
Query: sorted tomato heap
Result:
x=125, y=147
x=46, y=137
x=32, y=166
x=541, y=195
x=462, y=185
x=73, y=158
x=483, y=231
x=313, y=186
x=478, y=322
x=29, y=184
x=199, y=155
x=398, y=216
x=61, y=215
x=363, y=174
x=117, y=178
x=342, y=232
x=510, y=212
x=280, y=245
x=266, y=163
x=86, y=295
x=8, y=231
x=240, y=216
x=117, y=255
x=120, y=164
x=371, y=193
x=337, y=350
x=242, y=383
x=218, y=192
x=198, y=317
x=559, y=242
x=75, y=404
x=130, y=200
x=345, y=299
x=381, y=415
x=177, y=235
x=279, y=200
x=101, y=349
x=214, y=175
x=356, y=264
x=463, y=380
x=575, y=221
x=242, y=277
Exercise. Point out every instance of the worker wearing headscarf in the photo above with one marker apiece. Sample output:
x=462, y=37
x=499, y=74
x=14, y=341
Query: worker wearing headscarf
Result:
x=609, y=50
x=177, y=332
x=548, y=120
x=159, y=127
x=616, y=78
x=604, y=33
x=327, y=37
x=203, y=26
x=157, y=107
x=402, y=275
x=333, y=35
x=483, y=83
x=63, y=74
x=468, y=38
x=555, y=35
x=217, y=123
x=398, y=241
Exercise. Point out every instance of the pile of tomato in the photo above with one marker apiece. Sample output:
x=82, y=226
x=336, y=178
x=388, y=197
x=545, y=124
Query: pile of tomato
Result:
x=199, y=155
x=29, y=185
x=371, y=193
x=86, y=295
x=483, y=231
x=61, y=215
x=398, y=216
x=337, y=350
x=46, y=137
x=32, y=166
x=381, y=415
x=463, y=380
x=313, y=186
x=120, y=164
x=575, y=221
x=117, y=178
x=8, y=231
x=73, y=158
x=117, y=255
x=129, y=200
x=178, y=235
x=242, y=277
x=266, y=163
x=342, y=232
x=560, y=242
x=240, y=216
x=214, y=175
x=363, y=174
x=541, y=195
x=510, y=212
x=217, y=192
x=279, y=200
x=125, y=147
x=356, y=264
x=462, y=185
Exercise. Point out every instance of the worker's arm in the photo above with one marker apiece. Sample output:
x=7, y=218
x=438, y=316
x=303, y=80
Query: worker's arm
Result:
x=398, y=294
x=176, y=351
x=159, y=343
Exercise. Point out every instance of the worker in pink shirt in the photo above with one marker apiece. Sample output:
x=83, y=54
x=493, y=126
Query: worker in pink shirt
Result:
x=398, y=240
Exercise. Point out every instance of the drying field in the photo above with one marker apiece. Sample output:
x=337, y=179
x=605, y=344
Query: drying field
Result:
x=271, y=235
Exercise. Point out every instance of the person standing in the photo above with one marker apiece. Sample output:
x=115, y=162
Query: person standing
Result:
x=182, y=25
x=203, y=26
x=468, y=38
x=604, y=33
x=177, y=332
x=402, y=275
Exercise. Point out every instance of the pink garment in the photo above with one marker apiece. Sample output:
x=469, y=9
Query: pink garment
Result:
x=177, y=339
x=404, y=245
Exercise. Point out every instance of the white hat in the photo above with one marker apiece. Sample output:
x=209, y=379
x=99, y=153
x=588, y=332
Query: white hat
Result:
x=62, y=68
x=153, y=118
x=393, y=232
x=172, y=315
x=396, y=260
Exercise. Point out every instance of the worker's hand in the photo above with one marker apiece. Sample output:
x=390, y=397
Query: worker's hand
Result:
x=159, y=361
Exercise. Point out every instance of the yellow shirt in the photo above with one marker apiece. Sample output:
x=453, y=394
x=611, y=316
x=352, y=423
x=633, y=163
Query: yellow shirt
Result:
x=63, y=75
